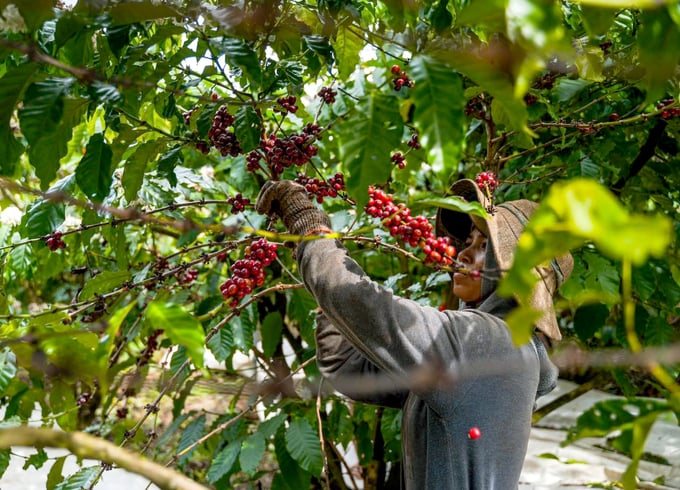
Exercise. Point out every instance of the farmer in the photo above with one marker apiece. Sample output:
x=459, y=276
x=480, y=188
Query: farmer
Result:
x=467, y=392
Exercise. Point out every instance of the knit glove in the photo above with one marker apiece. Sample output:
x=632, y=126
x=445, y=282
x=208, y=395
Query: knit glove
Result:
x=289, y=201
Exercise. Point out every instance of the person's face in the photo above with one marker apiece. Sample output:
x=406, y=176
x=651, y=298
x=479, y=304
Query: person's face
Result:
x=468, y=287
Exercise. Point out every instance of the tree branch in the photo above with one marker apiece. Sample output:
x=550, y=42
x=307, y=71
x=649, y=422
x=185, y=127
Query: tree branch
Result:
x=87, y=446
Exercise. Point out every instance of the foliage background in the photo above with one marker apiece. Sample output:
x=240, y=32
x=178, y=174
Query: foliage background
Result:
x=105, y=113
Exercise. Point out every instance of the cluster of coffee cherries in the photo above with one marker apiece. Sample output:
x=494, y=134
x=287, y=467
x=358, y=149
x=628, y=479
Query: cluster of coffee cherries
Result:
x=248, y=272
x=318, y=189
x=401, y=78
x=399, y=160
x=416, y=231
x=189, y=276
x=221, y=137
x=151, y=347
x=238, y=203
x=487, y=181
x=54, y=241
x=414, y=142
x=668, y=112
x=286, y=105
x=546, y=82
x=281, y=153
x=476, y=106
x=327, y=94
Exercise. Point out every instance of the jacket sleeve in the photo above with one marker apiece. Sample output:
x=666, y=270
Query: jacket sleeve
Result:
x=399, y=336
x=349, y=371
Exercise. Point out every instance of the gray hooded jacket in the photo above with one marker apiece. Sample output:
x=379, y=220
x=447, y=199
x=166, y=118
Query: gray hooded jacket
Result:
x=367, y=336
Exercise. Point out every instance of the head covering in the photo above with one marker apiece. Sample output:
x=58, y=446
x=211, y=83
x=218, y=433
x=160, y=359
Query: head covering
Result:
x=502, y=228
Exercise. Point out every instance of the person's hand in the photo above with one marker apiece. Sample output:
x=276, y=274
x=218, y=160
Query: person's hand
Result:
x=289, y=201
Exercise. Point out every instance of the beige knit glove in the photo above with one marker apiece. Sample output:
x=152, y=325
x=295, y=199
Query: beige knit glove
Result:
x=289, y=201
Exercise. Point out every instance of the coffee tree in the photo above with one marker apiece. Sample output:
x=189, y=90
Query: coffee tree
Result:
x=147, y=309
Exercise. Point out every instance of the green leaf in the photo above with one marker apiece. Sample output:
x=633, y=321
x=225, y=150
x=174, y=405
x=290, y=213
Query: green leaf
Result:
x=94, y=172
x=609, y=415
x=8, y=368
x=440, y=18
x=43, y=107
x=320, y=46
x=5, y=456
x=222, y=344
x=41, y=119
x=658, y=41
x=222, y=463
x=589, y=319
x=79, y=480
x=239, y=53
x=180, y=326
x=135, y=167
x=640, y=430
x=368, y=138
x=103, y=282
x=346, y=49
x=248, y=128
x=37, y=460
x=453, y=203
x=167, y=163
x=42, y=216
x=54, y=477
x=506, y=104
x=192, y=433
x=536, y=24
x=576, y=212
x=12, y=86
x=62, y=400
x=271, y=329
x=521, y=321
x=47, y=151
x=566, y=88
x=135, y=12
x=252, y=451
x=439, y=102
x=302, y=443
x=270, y=426
x=293, y=476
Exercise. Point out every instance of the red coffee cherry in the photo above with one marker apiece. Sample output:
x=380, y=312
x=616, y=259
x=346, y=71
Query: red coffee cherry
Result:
x=474, y=433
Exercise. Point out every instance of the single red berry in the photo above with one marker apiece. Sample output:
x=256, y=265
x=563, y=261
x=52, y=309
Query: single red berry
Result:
x=475, y=274
x=614, y=116
x=396, y=69
x=474, y=433
x=214, y=96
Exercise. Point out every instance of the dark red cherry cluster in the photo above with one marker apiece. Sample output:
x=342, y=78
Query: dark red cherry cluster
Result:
x=151, y=347
x=189, y=276
x=399, y=160
x=413, y=142
x=416, y=231
x=530, y=99
x=187, y=115
x=401, y=78
x=318, y=189
x=546, y=82
x=54, y=241
x=220, y=136
x=248, y=272
x=667, y=113
x=281, y=153
x=606, y=47
x=238, y=203
x=327, y=94
x=487, y=180
x=476, y=106
x=287, y=104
